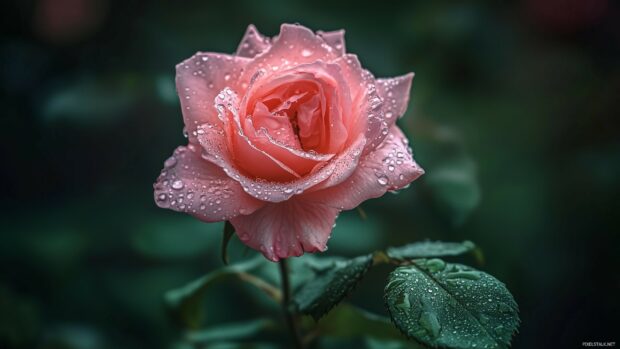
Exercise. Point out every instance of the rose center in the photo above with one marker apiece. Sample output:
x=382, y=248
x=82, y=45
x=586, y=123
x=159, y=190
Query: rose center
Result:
x=292, y=115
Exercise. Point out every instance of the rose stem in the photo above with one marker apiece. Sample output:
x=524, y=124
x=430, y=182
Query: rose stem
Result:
x=286, y=299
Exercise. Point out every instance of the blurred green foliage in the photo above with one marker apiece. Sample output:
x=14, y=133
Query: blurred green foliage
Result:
x=513, y=116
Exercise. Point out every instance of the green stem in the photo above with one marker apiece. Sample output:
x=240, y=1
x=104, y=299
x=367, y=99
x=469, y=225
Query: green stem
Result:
x=286, y=300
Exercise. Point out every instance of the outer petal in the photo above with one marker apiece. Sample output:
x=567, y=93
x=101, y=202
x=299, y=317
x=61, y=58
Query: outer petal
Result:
x=294, y=45
x=389, y=167
x=370, y=117
x=188, y=183
x=253, y=43
x=199, y=80
x=287, y=229
x=395, y=95
x=335, y=39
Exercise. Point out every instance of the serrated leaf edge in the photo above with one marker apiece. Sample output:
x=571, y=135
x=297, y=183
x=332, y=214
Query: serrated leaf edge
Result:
x=499, y=345
x=346, y=294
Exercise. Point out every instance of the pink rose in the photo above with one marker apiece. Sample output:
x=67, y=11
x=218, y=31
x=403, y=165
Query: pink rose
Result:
x=283, y=135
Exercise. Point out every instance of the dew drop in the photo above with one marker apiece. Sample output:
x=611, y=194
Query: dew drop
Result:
x=306, y=53
x=178, y=184
x=382, y=180
x=171, y=161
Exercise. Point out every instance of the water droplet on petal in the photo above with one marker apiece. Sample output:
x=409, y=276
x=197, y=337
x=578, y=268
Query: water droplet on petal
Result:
x=178, y=184
x=170, y=162
x=382, y=180
x=306, y=53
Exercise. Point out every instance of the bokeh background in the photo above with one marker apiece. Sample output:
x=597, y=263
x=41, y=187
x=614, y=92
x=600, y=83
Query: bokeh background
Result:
x=514, y=116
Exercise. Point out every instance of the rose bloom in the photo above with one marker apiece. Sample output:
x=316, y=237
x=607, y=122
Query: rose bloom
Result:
x=284, y=135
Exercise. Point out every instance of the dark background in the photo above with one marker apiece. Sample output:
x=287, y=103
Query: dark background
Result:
x=514, y=116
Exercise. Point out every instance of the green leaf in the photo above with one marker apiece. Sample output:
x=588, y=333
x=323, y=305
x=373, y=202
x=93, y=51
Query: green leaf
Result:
x=451, y=305
x=231, y=331
x=227, y=234
x=185, y=303
x=330, y=285
x=427, y=249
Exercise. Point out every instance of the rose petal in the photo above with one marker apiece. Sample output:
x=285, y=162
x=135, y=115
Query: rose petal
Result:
x=253, y=43
x=395, y=95
x=275, y=124
x=245, y=153
x=287, y=229
x=389, y=167
x=199, y=79
x=335, y=39
x=335, y=101
x=193, y=185
x=294, y=45
x=334, y=170
x=258, y=153
x=365, y=98
x=290, y=155
x=330, y=85
x=247, y=157
x=299, y=161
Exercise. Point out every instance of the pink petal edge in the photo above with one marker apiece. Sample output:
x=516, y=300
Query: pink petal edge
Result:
x=389, y=167
x=287, y=229
x=199, y=80
x=335, y=39
x=190, y=184
x=253, y=43
x=395, y=94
